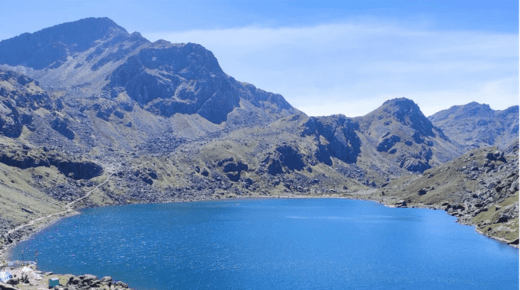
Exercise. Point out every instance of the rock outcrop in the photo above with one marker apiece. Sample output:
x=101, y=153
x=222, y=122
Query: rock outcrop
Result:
x=73, y=169
x=20, y=96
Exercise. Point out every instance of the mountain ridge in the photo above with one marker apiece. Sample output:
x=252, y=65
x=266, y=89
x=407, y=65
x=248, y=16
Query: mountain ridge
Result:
x=476, y=125
x=74, y=36
x=167, y=124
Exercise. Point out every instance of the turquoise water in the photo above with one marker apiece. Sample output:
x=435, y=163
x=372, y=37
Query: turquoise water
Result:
x=274, y=244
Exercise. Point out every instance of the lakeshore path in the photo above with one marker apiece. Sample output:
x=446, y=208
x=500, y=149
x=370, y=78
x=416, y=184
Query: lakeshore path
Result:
x=69, y=207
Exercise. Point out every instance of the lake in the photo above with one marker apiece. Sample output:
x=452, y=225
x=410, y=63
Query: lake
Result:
x=274, y=244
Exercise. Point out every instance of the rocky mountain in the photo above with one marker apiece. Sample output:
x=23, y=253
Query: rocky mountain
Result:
x=391, y=140
x=86, y=104
x=50, y=48
x=477, y=125
x=95, y=57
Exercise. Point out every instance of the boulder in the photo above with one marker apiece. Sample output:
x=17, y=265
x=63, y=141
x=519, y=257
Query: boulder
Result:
x=62, y=126
x=458, y=207
x=7, y=287
x=503, y=219
x=95, y=283
x=119, y=114
x=88, y=278
x=121, y=284
x=106, y=279
x=147, y=180
x=497, y=155
x=14, y=281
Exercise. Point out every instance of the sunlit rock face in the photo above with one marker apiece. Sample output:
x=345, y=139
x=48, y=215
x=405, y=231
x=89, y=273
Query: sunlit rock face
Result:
x=477, y=125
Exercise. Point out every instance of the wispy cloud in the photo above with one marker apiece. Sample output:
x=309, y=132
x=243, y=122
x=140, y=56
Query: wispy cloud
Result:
x=351, y=68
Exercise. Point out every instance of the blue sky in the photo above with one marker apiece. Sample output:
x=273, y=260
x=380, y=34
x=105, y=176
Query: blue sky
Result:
x=327, y=57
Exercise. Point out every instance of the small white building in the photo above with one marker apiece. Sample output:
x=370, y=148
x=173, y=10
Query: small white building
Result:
x=5, y=276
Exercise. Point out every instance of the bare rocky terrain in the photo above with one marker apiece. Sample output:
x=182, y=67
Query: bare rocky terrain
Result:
x=479, y=188
x=86, y=101
x=477, y=125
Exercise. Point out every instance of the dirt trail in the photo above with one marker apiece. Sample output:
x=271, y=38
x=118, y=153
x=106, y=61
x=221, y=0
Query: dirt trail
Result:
x=68, y=206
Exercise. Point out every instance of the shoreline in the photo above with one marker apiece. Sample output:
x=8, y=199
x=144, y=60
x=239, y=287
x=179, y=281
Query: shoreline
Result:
x=29, y=231
x=45, y=221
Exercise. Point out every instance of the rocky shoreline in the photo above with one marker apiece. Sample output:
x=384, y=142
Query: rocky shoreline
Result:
x=28, y=276
x=111, y=118
x=460, y=220
x=87, y=281
x=368, y=195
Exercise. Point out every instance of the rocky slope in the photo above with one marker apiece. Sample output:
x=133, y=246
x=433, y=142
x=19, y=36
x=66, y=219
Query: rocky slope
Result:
x=477, y=125
x=20, y=96
x=84, y=101
x=34, y=279
x=96, y=57
x=390, y=141
x=480, y=188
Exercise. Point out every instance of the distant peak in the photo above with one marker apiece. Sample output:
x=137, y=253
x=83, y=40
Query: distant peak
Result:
x=407, y=112
x=98, y=26
x=402, y=106
x=475, y=104
x=95, y=21
x=464, y=111
x=161, y=43
x=471, y=108
x=400, y=102
x=51, y=46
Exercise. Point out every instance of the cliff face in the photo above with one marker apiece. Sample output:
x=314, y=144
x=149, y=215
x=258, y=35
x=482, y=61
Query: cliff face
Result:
x=73, y=169
x=20, y=96
x=167, y=79
x=339, y=133
x=392, y=139
x=96, y=57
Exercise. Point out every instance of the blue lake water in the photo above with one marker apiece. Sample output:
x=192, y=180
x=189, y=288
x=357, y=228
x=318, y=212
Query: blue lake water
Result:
x=274, y=244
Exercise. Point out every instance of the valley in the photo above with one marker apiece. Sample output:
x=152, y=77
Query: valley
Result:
x=91, y=115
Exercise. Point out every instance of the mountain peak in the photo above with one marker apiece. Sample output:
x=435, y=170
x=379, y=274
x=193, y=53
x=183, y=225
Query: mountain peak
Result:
x=399, y=101
x=96, y=21
x=405, y=112
x=476, y=125
x=402, y=109
x=475, y=107
x=50, y=47
x=463, y=111
x=83, y=30
x=402, y=105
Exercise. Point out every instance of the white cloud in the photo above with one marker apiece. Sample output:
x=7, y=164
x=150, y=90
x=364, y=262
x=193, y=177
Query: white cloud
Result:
x=351, y=68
